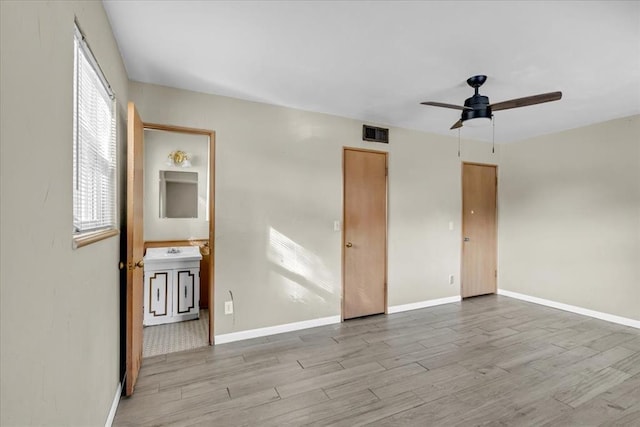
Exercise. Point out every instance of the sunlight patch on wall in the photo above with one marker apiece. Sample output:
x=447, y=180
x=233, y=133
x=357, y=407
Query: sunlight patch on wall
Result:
x=291, y=256
x=294, y=291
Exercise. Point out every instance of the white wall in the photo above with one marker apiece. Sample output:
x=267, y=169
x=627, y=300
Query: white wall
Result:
x=279, y=179
x=569, y=228
x=59, y=351
x=157, y=146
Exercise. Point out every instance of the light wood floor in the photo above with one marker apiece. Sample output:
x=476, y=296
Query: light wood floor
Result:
x=485, y=361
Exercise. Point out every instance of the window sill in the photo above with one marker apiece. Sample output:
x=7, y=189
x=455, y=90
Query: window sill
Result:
x=89, y=238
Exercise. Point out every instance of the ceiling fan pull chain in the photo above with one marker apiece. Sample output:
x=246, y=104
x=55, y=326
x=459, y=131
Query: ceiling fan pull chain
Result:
x=458, y=142
x=493, y=138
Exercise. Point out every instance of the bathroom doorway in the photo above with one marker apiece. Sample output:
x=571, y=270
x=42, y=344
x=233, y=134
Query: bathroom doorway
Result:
x=178, y=207
x=170, y=210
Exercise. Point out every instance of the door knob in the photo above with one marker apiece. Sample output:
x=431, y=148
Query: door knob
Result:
x=138, y=264
x=349, y=244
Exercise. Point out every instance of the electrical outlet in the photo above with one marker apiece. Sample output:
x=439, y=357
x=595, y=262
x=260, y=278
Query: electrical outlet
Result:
x=451, y=279
x=228, y=307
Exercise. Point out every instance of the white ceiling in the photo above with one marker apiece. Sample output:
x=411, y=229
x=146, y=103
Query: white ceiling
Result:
x=375, y=61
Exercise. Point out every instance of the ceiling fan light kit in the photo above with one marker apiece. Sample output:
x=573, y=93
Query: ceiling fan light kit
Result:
x=477, y=111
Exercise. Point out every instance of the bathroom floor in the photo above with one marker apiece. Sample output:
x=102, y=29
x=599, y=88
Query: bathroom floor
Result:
x=172, y=337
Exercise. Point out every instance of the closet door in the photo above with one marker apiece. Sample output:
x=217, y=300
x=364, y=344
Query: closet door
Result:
x=364, y=259
x=479, y=230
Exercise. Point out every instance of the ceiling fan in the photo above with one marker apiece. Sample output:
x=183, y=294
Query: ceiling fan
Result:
x=477, y=109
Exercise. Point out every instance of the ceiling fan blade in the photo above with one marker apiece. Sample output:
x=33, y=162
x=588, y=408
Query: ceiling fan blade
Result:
x=456, y=125
x=527, y=100
x=442, y=104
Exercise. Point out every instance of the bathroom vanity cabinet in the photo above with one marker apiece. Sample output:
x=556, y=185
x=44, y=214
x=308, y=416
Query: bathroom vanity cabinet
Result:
x=205, y=262
x=171, y=285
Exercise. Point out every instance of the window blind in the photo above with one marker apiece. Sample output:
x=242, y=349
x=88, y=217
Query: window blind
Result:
x=94, y=145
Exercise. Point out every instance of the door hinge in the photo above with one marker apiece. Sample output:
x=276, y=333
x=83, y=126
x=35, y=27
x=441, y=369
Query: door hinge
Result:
x=386, y=171
x=496, y=274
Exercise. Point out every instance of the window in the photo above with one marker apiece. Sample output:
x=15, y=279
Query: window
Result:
x=94, y=147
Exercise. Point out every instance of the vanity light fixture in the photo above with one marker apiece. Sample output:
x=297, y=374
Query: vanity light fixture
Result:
x=178, y=158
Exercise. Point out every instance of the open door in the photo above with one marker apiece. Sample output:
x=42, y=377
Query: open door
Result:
x=135, y=246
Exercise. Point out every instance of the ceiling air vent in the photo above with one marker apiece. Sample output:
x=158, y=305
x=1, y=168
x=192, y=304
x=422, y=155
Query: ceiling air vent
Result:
x=370, y=133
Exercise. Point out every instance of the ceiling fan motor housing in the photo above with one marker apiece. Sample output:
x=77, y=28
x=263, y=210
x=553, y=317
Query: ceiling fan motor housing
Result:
x=480, y=108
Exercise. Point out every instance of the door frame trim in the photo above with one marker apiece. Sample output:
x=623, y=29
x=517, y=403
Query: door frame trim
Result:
x=386, y=226
x=212, y=144
x=462, y=163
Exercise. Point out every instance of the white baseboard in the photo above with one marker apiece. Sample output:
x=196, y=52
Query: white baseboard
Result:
x=572, y=308
x=296, y=326
x=273, y=330
x=114, y=405
x=422, y=304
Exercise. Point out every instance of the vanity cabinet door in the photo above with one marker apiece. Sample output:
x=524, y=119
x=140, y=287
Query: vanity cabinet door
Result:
x=157, y=297
x=187, y=291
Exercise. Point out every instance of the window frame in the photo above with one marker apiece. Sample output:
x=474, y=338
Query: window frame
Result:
x=87, y=231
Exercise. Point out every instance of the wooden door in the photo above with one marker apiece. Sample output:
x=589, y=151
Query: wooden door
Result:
x=135, y=247
x=479, y=247
x=364, y=259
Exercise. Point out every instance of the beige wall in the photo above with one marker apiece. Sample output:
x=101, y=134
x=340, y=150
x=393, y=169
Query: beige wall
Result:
x=279, y=185
x=570, y=217
x=158, y=145
x=59, y=351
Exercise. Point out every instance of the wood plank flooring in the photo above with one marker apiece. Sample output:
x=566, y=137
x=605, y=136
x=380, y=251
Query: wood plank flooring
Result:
x=489, y=360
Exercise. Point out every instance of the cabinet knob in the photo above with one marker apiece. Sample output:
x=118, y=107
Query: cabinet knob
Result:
x=139, y=264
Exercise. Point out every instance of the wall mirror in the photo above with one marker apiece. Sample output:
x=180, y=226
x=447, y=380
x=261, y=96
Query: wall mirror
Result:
x=178, y=194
